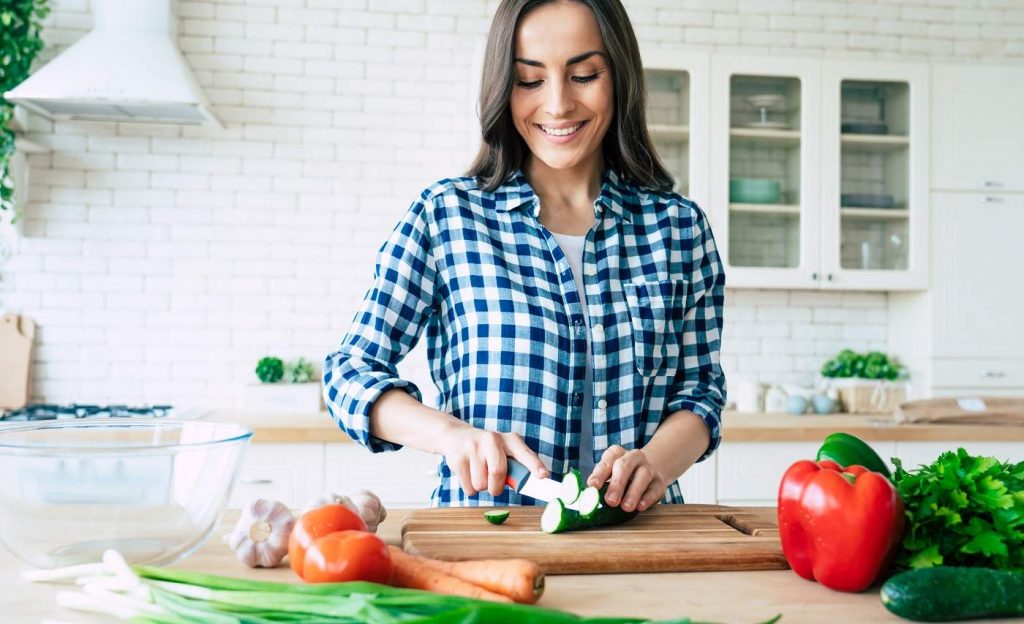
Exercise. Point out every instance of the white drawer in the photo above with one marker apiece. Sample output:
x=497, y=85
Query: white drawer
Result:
x=290, y=473
x=978, y=373
x=914, y=454
x=404, y=478
x=750, y=472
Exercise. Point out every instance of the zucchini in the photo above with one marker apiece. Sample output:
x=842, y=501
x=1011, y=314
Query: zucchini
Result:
x=496, y=516
x=572, y=486
x=945, y=593
x=588, y=511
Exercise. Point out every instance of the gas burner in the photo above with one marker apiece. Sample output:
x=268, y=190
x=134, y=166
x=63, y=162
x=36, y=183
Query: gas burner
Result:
x=48, y=411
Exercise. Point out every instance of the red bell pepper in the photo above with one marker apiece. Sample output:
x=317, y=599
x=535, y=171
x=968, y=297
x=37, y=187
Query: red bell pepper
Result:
x=838, y=525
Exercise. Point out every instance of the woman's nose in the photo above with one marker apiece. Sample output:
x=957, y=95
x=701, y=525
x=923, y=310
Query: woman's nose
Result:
x=559, y=100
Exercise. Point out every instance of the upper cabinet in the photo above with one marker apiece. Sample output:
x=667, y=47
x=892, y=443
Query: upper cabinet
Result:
x=677, y=110
x=765, y=124
x=814, y=173
x=978, y=132
x=874, y=176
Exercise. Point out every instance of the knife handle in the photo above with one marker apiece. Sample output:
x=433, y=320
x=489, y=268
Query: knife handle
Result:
x=517, y=475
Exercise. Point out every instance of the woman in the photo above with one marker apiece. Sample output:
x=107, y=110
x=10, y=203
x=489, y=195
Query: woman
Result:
x=572, y=303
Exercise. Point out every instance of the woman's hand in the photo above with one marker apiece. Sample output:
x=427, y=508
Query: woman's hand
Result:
x=632, y=479
x=480, y=458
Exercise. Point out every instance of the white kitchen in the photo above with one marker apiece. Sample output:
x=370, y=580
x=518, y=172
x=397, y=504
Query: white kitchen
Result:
x=199, y=198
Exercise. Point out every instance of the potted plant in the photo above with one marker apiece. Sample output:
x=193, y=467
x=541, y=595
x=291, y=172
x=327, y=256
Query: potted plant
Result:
x=871, y=383
x=284, y=387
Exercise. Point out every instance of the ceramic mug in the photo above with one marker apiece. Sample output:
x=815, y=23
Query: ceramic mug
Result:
x=797, y=404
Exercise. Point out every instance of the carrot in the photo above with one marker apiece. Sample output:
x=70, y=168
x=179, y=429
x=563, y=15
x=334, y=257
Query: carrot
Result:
x=413, y=572
x=521, y=580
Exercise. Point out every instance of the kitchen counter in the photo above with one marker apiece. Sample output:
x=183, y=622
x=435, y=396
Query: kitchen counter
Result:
x=737, y=427
x=716, y=596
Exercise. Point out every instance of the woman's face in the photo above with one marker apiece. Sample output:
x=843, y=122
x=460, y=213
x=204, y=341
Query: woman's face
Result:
x=562, y=93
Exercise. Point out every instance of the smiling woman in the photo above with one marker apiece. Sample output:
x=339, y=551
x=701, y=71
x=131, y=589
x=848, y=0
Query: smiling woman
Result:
x=572, y=303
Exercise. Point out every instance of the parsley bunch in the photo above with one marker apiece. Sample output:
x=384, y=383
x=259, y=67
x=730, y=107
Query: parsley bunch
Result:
x=962, y=510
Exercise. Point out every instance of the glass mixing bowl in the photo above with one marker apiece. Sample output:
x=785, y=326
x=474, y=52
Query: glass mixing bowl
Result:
x=154, y=489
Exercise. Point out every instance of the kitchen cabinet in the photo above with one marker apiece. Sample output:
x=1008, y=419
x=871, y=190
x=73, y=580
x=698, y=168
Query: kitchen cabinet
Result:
x=819, y=173
x=290, y=473
x=677, y=105
x=977, y=133
x=404, y=478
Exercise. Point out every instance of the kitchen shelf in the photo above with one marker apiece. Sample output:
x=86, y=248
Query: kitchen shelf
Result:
x=669, y=132
x=880, y=142
x=786, y=138
x=779, y=209
x=874, y=213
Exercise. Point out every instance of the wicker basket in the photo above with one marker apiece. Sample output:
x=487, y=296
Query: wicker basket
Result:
x=868, y=396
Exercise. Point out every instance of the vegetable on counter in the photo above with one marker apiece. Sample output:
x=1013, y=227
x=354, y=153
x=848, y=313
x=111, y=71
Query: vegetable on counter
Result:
x=496, y=516
x=413, y=572
x=260, y=538
x=578, y=509
x=174, y=596
x=838, y=526
x=347, y=556
x=954, y=593
x=849, y=450
x=962, y=510
x=315, y=524
x=521, y=580
x=363, y=502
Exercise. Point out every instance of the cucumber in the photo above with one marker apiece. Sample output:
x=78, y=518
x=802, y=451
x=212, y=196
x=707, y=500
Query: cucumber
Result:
x=496, y=516
x=945, y=593
x=589, y=511
x=572, y=486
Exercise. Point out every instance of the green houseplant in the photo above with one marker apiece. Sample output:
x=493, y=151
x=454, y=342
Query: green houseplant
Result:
x=21, y=25
x=284, y=387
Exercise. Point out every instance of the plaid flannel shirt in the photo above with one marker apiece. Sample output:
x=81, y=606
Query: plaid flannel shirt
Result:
x=505, y=327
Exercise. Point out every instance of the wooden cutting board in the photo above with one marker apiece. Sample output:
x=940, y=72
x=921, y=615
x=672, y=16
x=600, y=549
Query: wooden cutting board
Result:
x=16, y=336
x=666, y=538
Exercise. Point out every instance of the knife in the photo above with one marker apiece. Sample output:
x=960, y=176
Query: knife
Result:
x=523, y=482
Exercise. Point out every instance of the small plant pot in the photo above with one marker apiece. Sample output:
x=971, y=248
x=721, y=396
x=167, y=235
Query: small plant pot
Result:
x=280, y=397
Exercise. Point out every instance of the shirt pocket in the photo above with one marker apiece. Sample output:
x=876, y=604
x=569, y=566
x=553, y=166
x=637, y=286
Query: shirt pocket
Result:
x=655, y=310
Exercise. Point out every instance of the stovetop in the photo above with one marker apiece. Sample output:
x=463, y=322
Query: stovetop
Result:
x=49, y=411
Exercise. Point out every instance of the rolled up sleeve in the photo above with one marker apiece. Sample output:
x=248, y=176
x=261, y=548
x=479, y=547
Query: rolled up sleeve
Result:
x=700, y=383
x=386, y=327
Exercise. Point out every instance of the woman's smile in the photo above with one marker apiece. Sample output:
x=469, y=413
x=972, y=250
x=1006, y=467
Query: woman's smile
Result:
x=562, y=132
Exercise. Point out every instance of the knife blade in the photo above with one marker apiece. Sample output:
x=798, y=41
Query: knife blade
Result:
x=523, y=482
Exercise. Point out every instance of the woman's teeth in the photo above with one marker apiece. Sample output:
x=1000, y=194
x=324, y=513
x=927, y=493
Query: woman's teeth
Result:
x=562, y=131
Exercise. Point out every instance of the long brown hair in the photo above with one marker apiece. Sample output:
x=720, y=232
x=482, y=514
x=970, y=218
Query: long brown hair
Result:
x=627, y=146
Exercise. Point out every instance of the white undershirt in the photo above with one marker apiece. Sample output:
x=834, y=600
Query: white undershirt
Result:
x=572, y=247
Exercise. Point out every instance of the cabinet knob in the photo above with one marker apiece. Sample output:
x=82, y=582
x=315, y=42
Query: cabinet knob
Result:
x=992, y=199
x=830, y=277
x=814, y=276
x=992, y=184
x=255, y=481
x=993, y=374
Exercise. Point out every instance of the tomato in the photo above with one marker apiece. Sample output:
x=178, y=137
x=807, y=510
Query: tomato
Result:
x=317, y=523
x=347, y=556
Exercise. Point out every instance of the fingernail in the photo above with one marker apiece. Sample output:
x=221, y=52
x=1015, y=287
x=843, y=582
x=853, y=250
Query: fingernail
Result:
x=628, y=505
x=642, y=506
x=612, y=499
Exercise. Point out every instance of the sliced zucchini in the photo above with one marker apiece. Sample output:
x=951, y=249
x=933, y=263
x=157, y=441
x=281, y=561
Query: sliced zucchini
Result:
x=558, y=518
x=496, y=516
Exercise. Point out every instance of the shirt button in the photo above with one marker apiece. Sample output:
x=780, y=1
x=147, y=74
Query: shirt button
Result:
x=577, y=398
x=598, y=332
x=602, y=404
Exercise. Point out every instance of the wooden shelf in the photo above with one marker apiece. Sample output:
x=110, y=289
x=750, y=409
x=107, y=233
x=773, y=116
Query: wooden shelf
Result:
x=875, y=213
x=778, y=209
x=879, y=142
x=670, y=132
x=786, y=138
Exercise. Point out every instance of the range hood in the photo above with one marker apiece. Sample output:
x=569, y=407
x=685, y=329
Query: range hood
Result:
x=127, y=69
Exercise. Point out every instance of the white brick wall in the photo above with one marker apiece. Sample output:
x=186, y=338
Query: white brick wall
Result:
x=161, y=262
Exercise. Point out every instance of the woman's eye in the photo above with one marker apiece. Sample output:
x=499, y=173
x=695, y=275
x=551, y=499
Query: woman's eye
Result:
x=529, y=85
x=584, y=79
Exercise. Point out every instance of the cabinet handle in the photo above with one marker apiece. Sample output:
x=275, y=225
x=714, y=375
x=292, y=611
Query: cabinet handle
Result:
x=830, y=277
x=814, y=276
x=992, y=184
x=255, y=481
x=992, y=199
x=993, y=374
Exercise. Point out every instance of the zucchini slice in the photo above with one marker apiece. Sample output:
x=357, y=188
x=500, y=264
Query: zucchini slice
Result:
x=572, y=486
x=558, y=518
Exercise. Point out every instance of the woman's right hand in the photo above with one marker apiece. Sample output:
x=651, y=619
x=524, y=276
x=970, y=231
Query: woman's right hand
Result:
x=480, y=458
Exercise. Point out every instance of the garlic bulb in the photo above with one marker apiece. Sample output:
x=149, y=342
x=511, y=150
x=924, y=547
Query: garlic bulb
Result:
x=260, y=539
x=363, y=502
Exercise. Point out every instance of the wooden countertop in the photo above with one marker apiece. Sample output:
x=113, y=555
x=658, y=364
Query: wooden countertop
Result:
x=715, y=596
x=737, y=427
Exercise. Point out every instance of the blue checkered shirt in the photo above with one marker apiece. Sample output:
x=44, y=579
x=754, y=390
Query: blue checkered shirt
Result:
x=505, y=326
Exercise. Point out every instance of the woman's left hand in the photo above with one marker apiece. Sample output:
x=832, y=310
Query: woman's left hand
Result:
x=632, y=479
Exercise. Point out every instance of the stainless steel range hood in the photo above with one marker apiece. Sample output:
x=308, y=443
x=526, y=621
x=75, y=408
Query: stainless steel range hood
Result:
x=127, y=68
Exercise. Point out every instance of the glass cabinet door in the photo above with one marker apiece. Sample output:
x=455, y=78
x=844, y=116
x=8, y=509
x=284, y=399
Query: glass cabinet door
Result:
x=668, y=121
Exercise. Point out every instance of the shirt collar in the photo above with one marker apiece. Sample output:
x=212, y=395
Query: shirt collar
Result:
x=615, y=194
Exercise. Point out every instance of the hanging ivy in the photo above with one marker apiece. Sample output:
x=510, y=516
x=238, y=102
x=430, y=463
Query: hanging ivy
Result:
x=21, y=26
